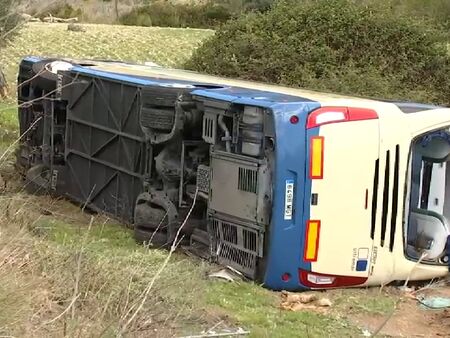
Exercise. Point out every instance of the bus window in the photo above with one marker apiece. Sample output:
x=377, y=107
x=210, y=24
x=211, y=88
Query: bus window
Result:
x=429, y=201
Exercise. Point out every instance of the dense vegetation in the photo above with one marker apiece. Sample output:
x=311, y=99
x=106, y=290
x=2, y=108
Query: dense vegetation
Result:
x=205, y=14
x=336, y=45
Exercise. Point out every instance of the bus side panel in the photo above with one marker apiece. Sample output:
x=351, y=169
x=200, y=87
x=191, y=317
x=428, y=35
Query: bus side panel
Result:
x=390, y=262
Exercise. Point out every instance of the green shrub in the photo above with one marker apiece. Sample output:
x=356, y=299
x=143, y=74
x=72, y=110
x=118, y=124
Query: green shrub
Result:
x=207, y=14
x=332, y=45
x=257, y=5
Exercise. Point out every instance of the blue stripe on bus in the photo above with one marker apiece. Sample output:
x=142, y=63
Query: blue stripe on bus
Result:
x=287, y=237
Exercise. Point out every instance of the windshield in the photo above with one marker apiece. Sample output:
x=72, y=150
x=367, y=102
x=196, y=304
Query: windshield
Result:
x=429, y=198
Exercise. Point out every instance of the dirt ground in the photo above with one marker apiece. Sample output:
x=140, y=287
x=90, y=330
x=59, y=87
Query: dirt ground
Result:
x=410, y=319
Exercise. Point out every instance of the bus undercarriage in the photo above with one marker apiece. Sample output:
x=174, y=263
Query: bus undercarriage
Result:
x=144, y=152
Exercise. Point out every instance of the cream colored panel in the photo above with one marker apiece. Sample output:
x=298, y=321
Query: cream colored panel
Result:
x=350, y=152
x=397, y=128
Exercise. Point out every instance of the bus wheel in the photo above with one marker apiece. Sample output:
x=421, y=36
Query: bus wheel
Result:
x=150, y=224
x=150, y=236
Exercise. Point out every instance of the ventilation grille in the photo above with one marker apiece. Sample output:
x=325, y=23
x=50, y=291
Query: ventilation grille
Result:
x=385, y=206
x=375, y=198
x=203, y=178
x=248, y=180
x=390, y=189
x=235, y=245
x=209, y=128
x=395, y=194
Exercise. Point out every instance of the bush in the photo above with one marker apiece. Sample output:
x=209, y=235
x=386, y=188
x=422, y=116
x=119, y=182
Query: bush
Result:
x=207, y=14
x=177, y=15
x=9, y=20
x=334, y=45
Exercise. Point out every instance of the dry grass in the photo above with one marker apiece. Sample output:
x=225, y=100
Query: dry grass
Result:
x=61, y=277
x=166, y=46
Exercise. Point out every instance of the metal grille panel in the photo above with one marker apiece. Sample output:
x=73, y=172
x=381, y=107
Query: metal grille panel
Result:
x=248, y=180
x=209, y=128
x=203, y=178
x=235, y=245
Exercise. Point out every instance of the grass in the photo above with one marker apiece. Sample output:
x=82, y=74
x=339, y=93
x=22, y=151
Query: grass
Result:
x=8, y=122
x=257, y=309
x=61, y=276
x=113, y=272
x=166, y=46
x=370, y=301
x=100, y=264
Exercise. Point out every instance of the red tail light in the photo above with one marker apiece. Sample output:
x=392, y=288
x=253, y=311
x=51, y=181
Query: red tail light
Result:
x=327, y=115
x=320, y=280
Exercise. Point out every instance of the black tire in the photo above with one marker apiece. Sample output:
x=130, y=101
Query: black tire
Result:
x=147, y=216
x=145, y=235
x=45, y=80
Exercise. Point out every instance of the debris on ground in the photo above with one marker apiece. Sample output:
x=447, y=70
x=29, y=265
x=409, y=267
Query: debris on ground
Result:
x=54, y=19
x=434, y=303
x=229, y=274
x=406, y=289
x=366, y=333
x=324, y=302
x=303, y=301
x=224, y=333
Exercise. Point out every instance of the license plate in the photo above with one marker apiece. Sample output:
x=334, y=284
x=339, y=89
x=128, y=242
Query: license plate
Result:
x=289, y=200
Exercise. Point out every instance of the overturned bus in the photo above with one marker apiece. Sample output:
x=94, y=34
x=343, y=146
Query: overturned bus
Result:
x=296, y=189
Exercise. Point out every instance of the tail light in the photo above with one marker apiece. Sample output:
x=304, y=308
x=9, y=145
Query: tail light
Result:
x=320, y=280
x=327, y=115
x=312, y=241
x=316, y=157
